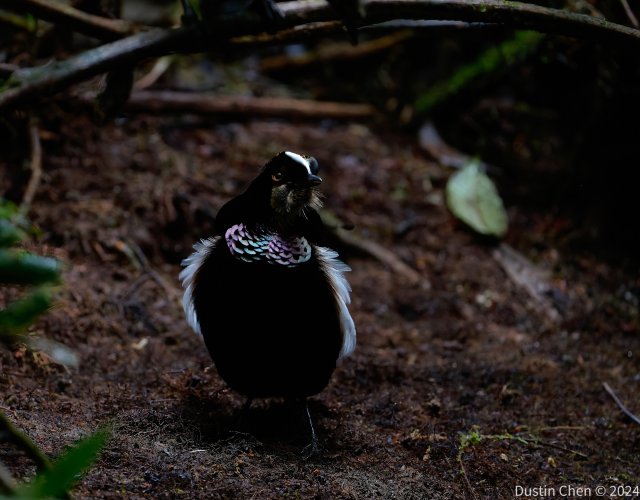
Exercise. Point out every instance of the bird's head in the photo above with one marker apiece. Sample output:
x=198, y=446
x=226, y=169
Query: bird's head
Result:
x=292, y=181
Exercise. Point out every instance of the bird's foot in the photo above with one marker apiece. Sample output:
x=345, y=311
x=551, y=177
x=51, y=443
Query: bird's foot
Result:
x=243, y=416
x=312, y=449
x=242, y=439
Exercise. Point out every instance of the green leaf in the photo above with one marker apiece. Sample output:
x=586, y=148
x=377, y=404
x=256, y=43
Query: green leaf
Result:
x=9, y=234
x=473, y=198
x=66, y=470
x=7, y=209
x=19, y=315
x=22, y=268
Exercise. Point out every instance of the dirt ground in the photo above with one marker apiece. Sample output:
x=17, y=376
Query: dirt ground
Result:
x=464, y=385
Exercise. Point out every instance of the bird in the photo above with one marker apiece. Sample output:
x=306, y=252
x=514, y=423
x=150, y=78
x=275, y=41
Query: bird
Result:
x=270, y=301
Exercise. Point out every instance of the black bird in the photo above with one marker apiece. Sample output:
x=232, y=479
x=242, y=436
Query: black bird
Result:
x=268, y=299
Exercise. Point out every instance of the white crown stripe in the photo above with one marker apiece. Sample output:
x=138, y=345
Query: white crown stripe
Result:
x=299, y=159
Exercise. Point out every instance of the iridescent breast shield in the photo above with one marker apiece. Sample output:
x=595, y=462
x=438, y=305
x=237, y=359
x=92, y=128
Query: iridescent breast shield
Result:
x=262, y=245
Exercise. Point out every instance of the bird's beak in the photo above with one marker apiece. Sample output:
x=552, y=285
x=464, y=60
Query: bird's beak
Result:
x=313, y=180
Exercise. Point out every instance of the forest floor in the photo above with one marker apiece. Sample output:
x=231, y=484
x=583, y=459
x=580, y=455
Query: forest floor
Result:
x=466, y=384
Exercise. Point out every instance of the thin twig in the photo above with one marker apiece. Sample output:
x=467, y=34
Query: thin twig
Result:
x=82, y=22
x=561, y=428
x=424, y=24
x=630, y=14
x=620, y=404
x=29, y=83
x=159, y=68
x=294, y=34
x=25, y=443
x=532, y=440
x=334, y=52
x=186, y=102
x=139, y=260
x=512, y=14
x=464, y=475
x=36, y=168
x=538, y=442
x=373, y=249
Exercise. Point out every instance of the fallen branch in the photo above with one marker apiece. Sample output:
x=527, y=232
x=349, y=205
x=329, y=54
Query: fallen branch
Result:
x=373, y=249
x=294, y=34
x=620, y=404
x=185, y=102
x=314, y=30
x=335, y=52
x=36, y=168
x=538, y=442
x=139, y=260
x=75, y=19
x=426, y=24
x=159, y=68
x=529, y=277
x=430, y=140
x=29, y=83
x=512, y=14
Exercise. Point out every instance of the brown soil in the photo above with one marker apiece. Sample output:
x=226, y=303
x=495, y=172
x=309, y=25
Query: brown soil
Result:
x=468, y=355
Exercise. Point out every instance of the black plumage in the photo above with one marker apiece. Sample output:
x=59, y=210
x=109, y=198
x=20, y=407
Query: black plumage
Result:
x=269, y=300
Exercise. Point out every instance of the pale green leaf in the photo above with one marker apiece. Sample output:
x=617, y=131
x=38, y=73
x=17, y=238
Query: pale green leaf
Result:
x=473, y=198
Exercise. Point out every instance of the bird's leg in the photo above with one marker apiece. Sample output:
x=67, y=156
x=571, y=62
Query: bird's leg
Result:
x=312, y=448
x=241, y=418
x=245, y=408
x=238, y=432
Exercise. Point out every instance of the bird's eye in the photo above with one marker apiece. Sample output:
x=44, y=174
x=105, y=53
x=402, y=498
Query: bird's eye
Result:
x=313, y=165
x=277, y=177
